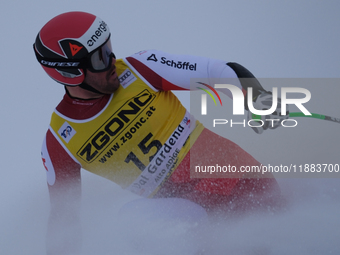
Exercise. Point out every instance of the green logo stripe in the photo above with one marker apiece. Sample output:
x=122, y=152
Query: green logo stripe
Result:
x=207, y=91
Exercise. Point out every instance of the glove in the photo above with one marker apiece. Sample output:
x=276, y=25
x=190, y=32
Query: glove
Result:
x=264, y=102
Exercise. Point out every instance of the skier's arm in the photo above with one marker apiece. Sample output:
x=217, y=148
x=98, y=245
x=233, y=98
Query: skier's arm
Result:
x=174, y=72
x=166, y=71
x=64, y=184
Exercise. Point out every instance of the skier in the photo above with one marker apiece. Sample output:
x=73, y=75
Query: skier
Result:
x=120, y=120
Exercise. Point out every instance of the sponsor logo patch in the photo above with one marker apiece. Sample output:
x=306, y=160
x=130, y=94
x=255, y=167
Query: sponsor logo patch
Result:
x=172, y=63
x=113, y=134
x=75, y=49
x=152, y=57
x=66, y=132
x=102, y=28
x=126, y=78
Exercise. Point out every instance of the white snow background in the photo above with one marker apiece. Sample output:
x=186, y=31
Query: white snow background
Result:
x=293, y=38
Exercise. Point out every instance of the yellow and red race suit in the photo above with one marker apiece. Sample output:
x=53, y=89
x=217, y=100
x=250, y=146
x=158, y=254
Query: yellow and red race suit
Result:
x=138, y=136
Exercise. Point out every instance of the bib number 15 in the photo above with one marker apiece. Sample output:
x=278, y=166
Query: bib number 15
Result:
x=145, y=149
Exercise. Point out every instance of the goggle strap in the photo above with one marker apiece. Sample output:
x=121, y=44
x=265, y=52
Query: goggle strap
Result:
x=59, y=63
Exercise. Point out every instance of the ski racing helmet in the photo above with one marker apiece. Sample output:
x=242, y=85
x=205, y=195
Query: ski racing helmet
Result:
x=72, y=42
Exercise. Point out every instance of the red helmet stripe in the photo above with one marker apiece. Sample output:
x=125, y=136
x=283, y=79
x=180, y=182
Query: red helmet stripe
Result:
x=64, y=20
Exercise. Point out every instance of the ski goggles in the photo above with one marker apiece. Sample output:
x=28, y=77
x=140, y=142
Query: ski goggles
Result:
x=99, y=60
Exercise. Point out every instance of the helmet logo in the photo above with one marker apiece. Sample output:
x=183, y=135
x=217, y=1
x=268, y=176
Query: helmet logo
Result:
x=74, y=49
